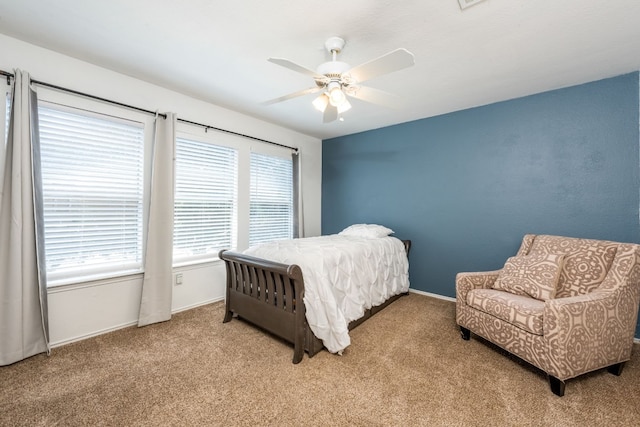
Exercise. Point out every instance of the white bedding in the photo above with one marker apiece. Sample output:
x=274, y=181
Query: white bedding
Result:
x=343, y=276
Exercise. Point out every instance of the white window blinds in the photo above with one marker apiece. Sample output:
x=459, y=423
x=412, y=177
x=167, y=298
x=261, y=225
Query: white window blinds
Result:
x=205, y=200
x=271, y=199
x=92, y=173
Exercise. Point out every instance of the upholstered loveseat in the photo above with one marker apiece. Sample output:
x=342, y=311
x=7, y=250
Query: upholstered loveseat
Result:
x=566, y=305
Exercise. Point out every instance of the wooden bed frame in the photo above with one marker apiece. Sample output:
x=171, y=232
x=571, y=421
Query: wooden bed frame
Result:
x=270, y=294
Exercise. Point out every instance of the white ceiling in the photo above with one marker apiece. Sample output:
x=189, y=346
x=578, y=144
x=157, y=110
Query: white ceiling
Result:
x=218, y=50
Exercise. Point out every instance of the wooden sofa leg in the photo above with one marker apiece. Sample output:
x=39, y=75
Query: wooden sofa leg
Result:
x=616, y=369
x=465, y=333
x=557, y=386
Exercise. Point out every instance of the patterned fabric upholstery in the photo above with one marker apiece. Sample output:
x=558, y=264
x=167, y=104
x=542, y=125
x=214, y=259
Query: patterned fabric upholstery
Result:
x=521, y=311
x=589, y=325
x=586, y=262
x=535, y=275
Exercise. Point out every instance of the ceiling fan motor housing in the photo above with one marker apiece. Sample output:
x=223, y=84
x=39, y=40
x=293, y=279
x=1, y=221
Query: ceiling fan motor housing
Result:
x=334, y=44
x=333, y=69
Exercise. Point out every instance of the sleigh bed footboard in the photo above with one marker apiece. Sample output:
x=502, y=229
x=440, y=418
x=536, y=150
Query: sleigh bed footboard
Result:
x=267, y=294
x=270, y=295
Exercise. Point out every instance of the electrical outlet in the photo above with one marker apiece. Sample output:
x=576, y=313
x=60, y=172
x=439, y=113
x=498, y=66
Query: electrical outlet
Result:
x=179, y=279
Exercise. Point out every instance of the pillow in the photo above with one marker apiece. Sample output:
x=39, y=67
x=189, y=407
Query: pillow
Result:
x=371, y=231
x=534, y=275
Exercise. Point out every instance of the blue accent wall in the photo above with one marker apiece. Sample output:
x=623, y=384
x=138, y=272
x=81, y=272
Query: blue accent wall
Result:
x=466, y=186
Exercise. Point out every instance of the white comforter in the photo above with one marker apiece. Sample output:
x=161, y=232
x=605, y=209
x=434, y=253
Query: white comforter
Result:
x=343, y=276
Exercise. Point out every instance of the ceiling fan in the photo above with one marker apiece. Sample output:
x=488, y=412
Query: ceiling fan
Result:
x=337, y=80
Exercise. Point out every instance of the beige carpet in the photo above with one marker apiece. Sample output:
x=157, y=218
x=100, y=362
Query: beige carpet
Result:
x=407, y=365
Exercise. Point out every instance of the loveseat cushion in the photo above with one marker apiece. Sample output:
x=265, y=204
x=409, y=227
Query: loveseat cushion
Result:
x=534, y=275
x=586, y=261
x=521, y=311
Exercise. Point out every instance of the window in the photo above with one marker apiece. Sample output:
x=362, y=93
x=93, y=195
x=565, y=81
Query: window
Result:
x=271, y=199
x=205, y=200
x=93, y=183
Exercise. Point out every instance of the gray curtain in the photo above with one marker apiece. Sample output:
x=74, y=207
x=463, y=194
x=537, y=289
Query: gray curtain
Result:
x=24, y=329
x=157, y=285
x=298, y=219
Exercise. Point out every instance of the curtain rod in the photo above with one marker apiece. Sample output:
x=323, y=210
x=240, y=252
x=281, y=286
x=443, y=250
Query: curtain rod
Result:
x=109, y=101
x=9, y=76
x=207, y=127
x=97, y=98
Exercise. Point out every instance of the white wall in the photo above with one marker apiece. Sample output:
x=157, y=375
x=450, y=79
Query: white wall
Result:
x=82, y=310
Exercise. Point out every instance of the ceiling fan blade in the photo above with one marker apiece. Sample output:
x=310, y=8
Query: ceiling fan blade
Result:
x=293, y=95
x=375, y=96
x=330, y=114
x=388, y=63
x=295, y=67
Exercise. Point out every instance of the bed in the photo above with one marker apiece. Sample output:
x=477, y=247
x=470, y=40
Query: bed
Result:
x=311, y=292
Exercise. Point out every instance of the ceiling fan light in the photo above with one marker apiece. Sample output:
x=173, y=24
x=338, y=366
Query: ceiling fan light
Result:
x=321, y=102
x=345, y=106
x=336, y=97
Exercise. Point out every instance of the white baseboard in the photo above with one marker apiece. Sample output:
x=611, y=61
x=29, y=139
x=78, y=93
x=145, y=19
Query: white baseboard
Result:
x=92, y=334
x=199, y=304
x=178, y=310
x=429, y=294
x=127, y=324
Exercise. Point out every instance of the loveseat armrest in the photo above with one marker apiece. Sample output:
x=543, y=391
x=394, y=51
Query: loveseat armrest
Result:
x=474, y=280
x=586, y=332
